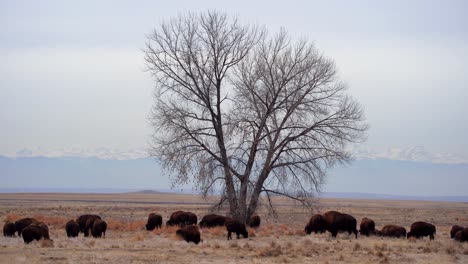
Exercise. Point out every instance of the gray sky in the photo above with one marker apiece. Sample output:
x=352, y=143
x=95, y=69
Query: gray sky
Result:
x=71, y=72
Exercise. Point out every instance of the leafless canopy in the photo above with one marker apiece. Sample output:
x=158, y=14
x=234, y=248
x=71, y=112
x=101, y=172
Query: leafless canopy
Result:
x=238, y=109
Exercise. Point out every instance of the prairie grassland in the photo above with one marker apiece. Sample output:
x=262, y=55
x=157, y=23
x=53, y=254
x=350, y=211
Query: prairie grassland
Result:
x=279, y=239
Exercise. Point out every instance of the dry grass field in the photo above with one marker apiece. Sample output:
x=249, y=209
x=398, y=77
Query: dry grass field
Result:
x=278, y=240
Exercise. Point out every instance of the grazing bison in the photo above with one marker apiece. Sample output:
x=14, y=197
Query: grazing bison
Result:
x=9, y=229
x=462, y=235
x=182, y=218
x=454, y=230
x=254, y=221
x=43, y=225
x=82, y=221
x=99, y=228
x=336, y=221
x=212, y=220
x=237, y=227
x=367, y=226
x=421, y=229
x=72, y=228
x=316, y=224
x=34, y=232
x=154, y=221
x=189, y=233
x=392, y=231
x=23, y=223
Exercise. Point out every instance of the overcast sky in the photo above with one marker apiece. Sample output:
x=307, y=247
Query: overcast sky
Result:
x=71, y=72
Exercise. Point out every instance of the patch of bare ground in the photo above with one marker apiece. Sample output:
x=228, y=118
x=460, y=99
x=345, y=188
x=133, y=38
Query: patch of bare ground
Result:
x=278, y=240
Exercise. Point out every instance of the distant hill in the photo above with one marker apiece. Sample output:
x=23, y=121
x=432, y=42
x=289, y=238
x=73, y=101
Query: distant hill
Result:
x=366, y=178
x=81, y=173
x=403, y=178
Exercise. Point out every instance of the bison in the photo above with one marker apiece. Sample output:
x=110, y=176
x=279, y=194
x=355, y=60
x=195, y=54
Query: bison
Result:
x=34, y=232
x=336, y=221
x=9, y=229
x=367, y=226
x=454, y=230
x=421, y=229
x=23, y=223
x=99, y=228
x=72, y=228
x=43, y=225
x=182, y=218
x=254, y=221
x=234, y=226
x=189, y=233
x=462, y=235
x=392, y=231
x=83, y=220
x=154, y=221
x=212, y=220
x=316, y=224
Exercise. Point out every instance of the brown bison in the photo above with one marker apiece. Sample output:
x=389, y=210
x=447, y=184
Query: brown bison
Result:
x=254, y=221
x=454, y=230
x=72, y=228
x=392, y=231
x=43, y=225
x=212, y=220
x=154, y=221
x=234, y=226
x=367, y=226
x=462, y=235
x=182, y=218
x=34, y=232
x=85, y=223
x=421, y=229
x=316, y=224
x=23, y=223
x=336, y=222
x=9, y=229
x=189, y=233
x=99, y=228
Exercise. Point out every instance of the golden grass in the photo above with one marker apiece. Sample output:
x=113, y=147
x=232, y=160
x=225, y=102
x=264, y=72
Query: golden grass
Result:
x=125, y=226
x=279, y=240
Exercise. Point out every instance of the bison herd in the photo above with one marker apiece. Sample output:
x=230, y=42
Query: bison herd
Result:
x=335, y=222
x=332, y=221
x=31, y=229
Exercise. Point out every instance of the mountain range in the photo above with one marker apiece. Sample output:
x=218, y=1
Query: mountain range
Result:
x=407, y=153
x=379, y=177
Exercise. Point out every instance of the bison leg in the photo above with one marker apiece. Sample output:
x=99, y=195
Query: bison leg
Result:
x=431, y=236
x=355, y=233
x=229, y=235
x=237, y=235
x=334, y=233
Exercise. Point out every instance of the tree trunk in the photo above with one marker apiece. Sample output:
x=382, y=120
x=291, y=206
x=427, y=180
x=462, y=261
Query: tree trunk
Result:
x=243, y=216
x=231, y=194
x=258, y=189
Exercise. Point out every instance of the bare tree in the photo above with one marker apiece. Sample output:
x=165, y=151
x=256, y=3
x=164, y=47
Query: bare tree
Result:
x=251, y=113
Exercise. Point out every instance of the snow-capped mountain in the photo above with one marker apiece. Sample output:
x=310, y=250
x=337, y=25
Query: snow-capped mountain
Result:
x=408, y=153
x=101, y=153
